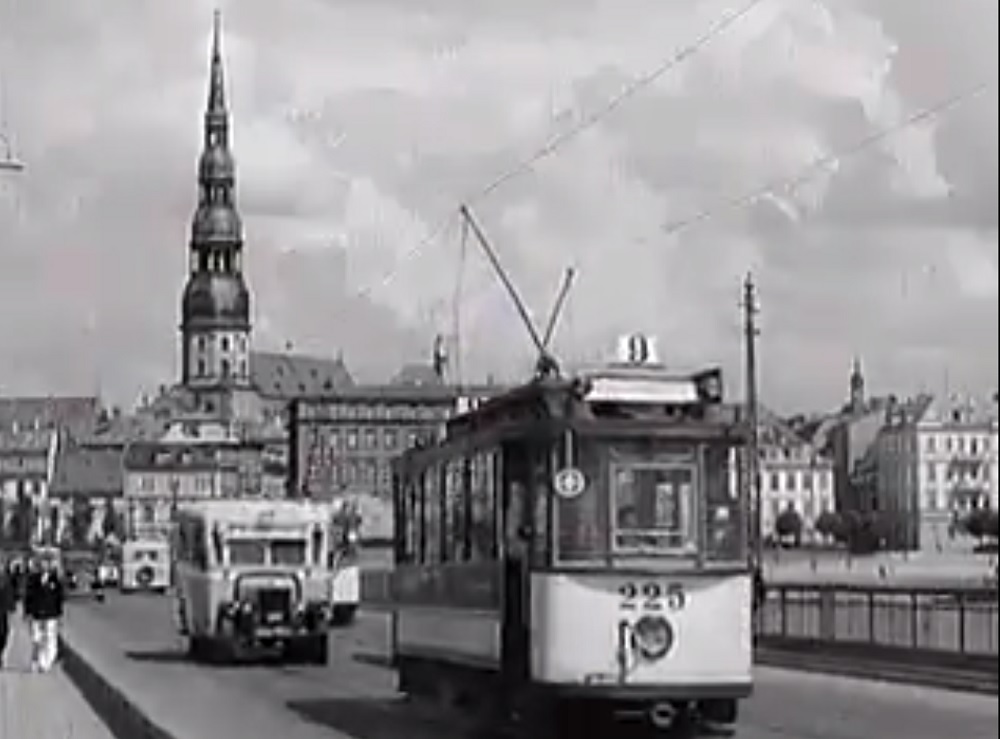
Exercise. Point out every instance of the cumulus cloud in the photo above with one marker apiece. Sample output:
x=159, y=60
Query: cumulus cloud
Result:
x=360, y=125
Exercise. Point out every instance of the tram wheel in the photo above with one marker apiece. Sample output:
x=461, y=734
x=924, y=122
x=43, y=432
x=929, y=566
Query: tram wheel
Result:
x=725, y=711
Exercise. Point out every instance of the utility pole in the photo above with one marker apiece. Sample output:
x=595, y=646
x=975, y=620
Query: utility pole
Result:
x=750, y=334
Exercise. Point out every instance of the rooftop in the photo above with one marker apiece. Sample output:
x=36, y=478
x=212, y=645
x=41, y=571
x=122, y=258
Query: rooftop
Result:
x=286, y=376
x=89, y=472
x=39, y=413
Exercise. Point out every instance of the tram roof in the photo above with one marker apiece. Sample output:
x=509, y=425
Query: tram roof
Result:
x=628, y=388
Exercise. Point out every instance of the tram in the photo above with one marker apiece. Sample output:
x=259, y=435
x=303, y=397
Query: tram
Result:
x=576, y=550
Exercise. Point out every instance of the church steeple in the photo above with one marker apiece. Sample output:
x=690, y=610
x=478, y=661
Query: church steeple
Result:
x=857, y=389
x=215, y=322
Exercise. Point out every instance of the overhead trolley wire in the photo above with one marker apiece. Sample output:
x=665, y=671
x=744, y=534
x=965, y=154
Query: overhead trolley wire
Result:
x=629, y=91
x=563, y=138
x=819, y=164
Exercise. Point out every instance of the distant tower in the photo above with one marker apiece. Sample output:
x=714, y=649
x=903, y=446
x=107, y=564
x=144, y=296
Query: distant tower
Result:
x=440, y=357
x=857, y=397
x=215, y=311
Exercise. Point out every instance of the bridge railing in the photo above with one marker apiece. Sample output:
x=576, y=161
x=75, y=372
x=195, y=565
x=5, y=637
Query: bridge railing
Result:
x=956, y=621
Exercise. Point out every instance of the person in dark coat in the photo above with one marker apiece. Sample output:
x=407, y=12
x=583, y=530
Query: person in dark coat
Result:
x=8, y=600
x=43, y=606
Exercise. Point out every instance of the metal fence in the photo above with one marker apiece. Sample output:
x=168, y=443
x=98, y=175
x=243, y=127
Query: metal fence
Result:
x=953, y=621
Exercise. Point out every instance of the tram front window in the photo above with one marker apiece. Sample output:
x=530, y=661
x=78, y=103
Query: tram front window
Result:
x=654, y=507
x=650, y=498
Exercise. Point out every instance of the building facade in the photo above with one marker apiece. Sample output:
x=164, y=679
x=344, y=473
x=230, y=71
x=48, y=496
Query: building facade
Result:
x=794, y=475
x=32, y=432
x=935, y=459
x=85, y=505
x=197, y=459
x=344, y=444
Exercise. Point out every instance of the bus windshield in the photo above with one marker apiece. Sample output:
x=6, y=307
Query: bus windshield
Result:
x=274, y=552
x=652, y=498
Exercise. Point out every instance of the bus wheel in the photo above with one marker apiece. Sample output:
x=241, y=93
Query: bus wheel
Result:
x=310, y=650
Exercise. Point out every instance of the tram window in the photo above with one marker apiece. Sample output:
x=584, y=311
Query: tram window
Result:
x=455, y=530
x=724, y=512
x=483, y=502
x=581, y=520
x=654, y=506
x=541, y=501
x=432, y=517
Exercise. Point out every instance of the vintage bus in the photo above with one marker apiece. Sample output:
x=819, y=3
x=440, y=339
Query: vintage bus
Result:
x=145, y=565
x=576, y=550
x=252, y=578
x=344, y=560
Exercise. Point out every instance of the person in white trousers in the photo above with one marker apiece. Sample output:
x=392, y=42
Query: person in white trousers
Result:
x=43, y=607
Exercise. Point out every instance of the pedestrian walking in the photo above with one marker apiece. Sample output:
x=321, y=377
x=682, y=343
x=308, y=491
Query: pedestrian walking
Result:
x=43, y=607
x=8, y=600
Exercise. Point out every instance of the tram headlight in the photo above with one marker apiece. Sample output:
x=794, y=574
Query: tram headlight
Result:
x=653, y=637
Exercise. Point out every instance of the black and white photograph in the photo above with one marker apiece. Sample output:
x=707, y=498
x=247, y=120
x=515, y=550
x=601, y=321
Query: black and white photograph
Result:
x=494, y=369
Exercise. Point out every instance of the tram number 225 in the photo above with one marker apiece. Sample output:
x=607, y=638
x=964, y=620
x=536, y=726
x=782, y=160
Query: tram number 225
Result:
x=651, y=596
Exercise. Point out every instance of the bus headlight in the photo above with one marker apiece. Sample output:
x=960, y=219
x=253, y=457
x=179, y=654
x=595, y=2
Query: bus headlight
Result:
x=653, y=637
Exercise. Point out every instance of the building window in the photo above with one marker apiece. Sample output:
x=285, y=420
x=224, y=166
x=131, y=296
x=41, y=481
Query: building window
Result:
x=224, y=366
x=225, y=343
x=391, y=438
x=352, y=439
x=202, y=369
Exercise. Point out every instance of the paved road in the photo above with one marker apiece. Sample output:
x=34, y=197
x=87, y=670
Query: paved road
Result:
x=354, y=699
x=37, y=706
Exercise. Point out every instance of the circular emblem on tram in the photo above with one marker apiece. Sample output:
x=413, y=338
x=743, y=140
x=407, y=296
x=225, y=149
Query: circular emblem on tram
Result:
x=570, y=482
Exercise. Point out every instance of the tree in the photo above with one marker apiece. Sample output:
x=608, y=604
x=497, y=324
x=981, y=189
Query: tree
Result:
x=54, y=519
x=80, y=520
x=113, y=524
x=991, y=524
x=980, y=523
x=23, y=519
x=789, y=525
x=828, y=524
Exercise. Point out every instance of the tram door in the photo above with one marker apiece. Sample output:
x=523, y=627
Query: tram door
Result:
x=526, y=502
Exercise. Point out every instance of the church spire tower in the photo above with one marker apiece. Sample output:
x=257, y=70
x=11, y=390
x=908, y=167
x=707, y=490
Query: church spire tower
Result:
x=215, y=310
x=856, y=400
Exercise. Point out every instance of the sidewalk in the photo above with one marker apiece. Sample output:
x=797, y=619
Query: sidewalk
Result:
x=37, y=706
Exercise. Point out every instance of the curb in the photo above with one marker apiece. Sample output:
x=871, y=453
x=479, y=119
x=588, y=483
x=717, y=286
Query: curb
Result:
x=959, y=681
x=121, y=715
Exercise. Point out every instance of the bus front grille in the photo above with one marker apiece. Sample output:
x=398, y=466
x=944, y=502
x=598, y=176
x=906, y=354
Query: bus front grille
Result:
x=274, y=604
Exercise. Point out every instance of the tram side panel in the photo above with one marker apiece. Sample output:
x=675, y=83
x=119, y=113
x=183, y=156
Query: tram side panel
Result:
x=452, y=616
x=607, y=629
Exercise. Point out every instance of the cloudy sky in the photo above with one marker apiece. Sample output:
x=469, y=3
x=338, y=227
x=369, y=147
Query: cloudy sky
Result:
x=360, y=125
